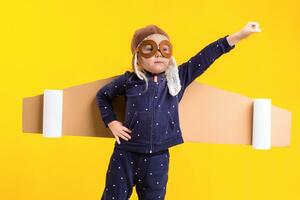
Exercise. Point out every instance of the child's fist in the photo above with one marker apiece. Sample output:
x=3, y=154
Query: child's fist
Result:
x=249, y=28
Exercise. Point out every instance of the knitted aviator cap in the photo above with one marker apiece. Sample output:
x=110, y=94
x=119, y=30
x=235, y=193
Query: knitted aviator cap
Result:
x=171, y=72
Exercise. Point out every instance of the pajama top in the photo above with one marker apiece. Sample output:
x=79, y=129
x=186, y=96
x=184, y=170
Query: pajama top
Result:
x=152, y=114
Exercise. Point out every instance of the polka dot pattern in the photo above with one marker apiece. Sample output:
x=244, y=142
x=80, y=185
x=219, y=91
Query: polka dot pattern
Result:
x=148, y=172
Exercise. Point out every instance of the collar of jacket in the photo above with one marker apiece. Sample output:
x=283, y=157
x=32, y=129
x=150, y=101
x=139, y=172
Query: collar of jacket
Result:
x=151, y=75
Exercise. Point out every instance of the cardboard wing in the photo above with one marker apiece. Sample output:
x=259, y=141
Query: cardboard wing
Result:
x=206, y=114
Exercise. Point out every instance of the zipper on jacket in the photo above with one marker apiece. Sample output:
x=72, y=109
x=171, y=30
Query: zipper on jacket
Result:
x=153, y=107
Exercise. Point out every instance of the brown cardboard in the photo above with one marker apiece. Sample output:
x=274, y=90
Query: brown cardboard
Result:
x=206, y=114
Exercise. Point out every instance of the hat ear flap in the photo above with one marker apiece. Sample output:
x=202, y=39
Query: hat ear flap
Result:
x=172, y=77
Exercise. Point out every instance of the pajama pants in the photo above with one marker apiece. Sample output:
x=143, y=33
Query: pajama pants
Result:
x=148, y=172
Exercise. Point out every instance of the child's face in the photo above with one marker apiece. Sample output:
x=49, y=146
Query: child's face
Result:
x=157, y=63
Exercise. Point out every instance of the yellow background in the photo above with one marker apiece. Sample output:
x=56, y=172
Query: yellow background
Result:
x=57, y=44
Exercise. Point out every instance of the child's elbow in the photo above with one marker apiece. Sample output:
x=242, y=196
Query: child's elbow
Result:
x=99, y=96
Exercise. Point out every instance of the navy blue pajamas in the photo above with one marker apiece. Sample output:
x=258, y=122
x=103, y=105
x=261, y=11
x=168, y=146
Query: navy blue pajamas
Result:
x=148, y=172
x=153, y=118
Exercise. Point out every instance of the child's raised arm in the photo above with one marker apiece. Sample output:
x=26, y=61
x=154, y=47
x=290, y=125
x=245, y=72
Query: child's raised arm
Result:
x=196, y=65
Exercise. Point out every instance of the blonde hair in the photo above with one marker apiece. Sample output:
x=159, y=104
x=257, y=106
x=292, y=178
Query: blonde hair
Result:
x=139, y=70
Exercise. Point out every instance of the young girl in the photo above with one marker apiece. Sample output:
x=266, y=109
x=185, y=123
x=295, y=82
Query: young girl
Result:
x=152, y=92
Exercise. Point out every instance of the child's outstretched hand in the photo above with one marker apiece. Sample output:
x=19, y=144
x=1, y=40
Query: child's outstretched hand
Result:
x=118, y=130
x=249, y=28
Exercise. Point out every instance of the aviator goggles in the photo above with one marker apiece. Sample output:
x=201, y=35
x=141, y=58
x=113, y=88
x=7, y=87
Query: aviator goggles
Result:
x=148, y=48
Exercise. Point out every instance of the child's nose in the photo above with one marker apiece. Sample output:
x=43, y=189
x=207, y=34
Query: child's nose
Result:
x=158, y=53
